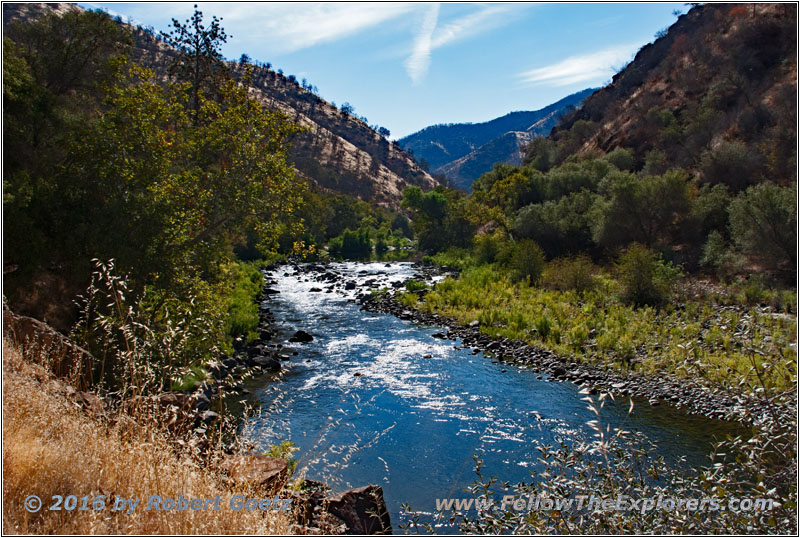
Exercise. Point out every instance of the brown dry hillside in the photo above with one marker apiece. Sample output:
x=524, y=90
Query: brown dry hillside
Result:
x=338, y=151
x=716, y=94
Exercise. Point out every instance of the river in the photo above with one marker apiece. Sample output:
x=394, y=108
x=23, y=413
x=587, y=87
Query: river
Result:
x=375, y=399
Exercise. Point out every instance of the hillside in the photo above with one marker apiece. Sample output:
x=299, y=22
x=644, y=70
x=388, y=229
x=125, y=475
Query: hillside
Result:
x=464, y=151
x=337, y=151
x=715, y=94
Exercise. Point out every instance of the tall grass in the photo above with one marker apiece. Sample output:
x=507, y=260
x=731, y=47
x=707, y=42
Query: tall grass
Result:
x=51, y=447
x=689, y=338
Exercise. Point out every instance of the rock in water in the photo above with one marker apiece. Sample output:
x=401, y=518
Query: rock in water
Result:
x=363, y=510
x=301, y=336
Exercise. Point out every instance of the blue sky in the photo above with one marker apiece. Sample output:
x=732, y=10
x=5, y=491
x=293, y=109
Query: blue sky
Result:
x=409, y=65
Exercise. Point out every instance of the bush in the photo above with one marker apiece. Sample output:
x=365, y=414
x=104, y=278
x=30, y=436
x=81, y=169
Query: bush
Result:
x=721, y=257
x=763, y=224
x=644, y=277
x=488, y=247
x=733, y=164
x=622, y=159
x=526, y=261
x=570, y=274
x=416, y=285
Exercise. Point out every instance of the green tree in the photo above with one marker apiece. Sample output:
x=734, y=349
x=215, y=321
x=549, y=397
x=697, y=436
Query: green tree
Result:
x=640, y=209
x=644, y=277
x=763, y=223
x=199, y=59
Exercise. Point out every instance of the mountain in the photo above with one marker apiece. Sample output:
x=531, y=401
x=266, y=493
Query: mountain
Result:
x=337, y=151
x=715, y=94
x=464, y=151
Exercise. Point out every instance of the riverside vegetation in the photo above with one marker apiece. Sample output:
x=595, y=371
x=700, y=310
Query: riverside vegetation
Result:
x=670, y=251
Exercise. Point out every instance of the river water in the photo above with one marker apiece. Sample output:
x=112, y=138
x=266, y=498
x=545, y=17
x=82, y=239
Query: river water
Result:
x=375, y=399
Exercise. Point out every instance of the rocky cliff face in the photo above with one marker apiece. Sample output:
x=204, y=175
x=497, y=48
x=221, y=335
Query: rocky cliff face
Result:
x=337, y=151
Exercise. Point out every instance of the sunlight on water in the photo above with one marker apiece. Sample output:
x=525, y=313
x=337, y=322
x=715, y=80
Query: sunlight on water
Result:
x=374, y=399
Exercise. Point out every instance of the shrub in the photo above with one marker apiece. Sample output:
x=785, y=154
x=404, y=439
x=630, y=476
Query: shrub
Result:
x=527, y=261
x=622, y=159
x=732, y=163
x=488, y=247
x=763, y=224
x=416, y=285
x=721, y=257
x=644, y=277
x=570, y=274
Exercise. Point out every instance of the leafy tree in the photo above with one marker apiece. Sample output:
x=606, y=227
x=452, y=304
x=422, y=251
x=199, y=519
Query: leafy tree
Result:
x=199, y=60
x=540, y=154
x=527, y=261
x=733, y=164
x=559, y=227
x=645, y=278
x=622, y=159
x=640, y=209
x=439, y=217
x=763, y=223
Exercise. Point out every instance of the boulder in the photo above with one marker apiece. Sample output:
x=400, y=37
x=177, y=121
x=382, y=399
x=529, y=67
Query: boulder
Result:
x=268, y=363
x=261, y=472
x=363, y=510
x=34, y=338
x=301, y=336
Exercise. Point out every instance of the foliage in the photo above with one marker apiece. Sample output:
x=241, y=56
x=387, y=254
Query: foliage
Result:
x=560, y=227
x=352, y=244
x=764, y=225
x=242, y=319
x=145, y=343
x=526, y=261
x=284, y=450
x=439, y=218
x=699, y=336
x=575, y=273
x=156, y=175
x=199, y=61
x=732, y=164
x=645, y=279
x=644, y=209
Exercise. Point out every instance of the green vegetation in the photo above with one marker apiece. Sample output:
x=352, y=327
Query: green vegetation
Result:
x=242, y=319
x=166, y=178
x=688, y=337
x=284, y=450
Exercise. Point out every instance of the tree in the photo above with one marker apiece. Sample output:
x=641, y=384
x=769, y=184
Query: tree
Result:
x=763, y=223
x=199, y=60
x=645, y=278
x=384, y=132
x=642, y=209
x=439, y=217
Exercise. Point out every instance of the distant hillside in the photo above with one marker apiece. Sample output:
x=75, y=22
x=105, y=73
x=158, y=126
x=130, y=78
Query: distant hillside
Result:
x=338, y=151
x=726, y=110
x=464, y=151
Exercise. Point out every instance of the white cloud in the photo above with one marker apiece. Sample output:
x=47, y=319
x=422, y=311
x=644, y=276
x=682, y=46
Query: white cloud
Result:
x=596, y=66
x=469, y=25
x=429, y=38
x=417, y=64
x=285, y=27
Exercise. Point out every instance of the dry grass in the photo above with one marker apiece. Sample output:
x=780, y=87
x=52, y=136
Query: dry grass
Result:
x=52, y=447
